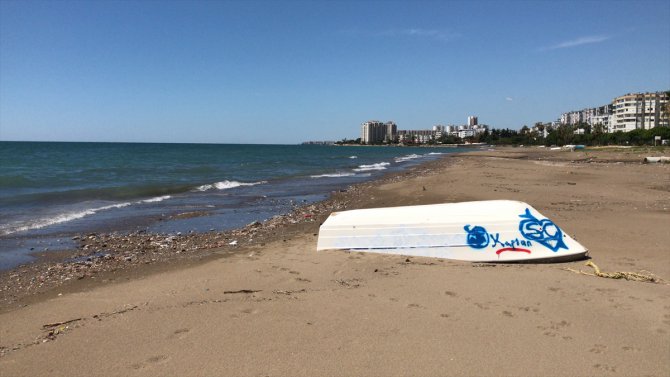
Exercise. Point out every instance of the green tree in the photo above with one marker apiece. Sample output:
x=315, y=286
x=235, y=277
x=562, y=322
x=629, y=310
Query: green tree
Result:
x=564, y=134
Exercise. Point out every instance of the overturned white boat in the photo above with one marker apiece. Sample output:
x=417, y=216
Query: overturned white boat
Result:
x=482, y=231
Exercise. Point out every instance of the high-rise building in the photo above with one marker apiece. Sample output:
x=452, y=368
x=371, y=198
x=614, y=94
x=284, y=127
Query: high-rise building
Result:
x=391, y=131
x=638, y=111
x=472, y=120
x=374, y=131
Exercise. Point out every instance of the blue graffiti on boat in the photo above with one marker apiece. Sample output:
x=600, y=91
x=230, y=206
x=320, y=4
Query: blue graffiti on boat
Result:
x=478, y=237
x=544, y=231
x=513, y=243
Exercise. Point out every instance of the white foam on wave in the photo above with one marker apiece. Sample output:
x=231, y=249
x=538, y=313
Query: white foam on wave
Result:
x=58, y=219
x=156, y=199
x=377, y=166
x=352, y=157
x=435, y=153
x=407, y=158
x=333, y=175
x=224, y=185
x=21, y=226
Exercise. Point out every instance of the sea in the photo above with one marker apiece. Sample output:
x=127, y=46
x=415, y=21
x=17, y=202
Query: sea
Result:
x=52, y=191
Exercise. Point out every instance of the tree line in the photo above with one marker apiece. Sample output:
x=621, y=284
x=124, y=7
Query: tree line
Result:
x=579, y=134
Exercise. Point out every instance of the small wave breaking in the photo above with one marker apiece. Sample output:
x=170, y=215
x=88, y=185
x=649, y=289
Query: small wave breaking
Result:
x=156, y=199
x=333, y=175
x=407, y=158
x=224, y=185
x=377, y=166
x=69, y=216
x=58, y=219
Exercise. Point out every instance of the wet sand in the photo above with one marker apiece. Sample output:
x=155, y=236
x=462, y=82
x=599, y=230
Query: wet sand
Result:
x=274, y=306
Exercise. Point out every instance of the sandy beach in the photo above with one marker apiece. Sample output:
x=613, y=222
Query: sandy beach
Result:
x=272, y=306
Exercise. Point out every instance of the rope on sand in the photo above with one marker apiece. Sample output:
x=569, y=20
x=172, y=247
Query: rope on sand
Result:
x=649, y=277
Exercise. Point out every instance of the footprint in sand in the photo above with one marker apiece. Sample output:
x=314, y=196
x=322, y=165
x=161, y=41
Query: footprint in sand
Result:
x=554, y=328
x=598, y=348
x=528, y=309
x=153, y=360
x=180, y=333
x=415, y=306
x=604, y=367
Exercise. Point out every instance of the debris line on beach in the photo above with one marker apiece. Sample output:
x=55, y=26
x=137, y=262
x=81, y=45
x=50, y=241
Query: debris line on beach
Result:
x=635, y=276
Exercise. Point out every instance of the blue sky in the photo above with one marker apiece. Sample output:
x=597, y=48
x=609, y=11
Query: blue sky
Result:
x=289, y=71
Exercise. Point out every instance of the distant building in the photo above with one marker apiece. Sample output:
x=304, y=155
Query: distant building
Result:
x=374, y=131
x=603, y=120
x=638, y=111
x=469, y=132
x=626, y=113
x=391, y=131
x=416, y=136
x=439, y=130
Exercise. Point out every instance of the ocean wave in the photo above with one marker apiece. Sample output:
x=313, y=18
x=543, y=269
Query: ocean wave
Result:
x=333, y=175
x=353, y=157
x=58, y=219
x=156, y=199
x=69, y=216
x=377, y=166
x=20, y=226
x=224, y=185
x=111, y=194
x=407, y=158
x=435, y=153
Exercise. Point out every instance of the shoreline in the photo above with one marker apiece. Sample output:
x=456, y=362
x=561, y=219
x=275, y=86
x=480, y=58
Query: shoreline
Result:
x=101, y=258
x=277, y=307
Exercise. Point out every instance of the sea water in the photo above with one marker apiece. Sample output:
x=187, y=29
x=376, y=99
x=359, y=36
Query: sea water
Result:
x=51, y=191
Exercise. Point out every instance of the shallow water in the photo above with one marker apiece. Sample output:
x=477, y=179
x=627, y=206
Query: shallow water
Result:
x=52, y=191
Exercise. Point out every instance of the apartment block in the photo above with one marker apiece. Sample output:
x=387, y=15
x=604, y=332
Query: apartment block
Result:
x=638, y=111
x=626, y=113
x=417, y=136
x=374, y=131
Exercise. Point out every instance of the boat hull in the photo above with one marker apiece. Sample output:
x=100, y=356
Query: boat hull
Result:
x=482, y=231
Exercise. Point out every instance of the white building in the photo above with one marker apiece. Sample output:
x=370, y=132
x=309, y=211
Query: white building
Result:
x=626, y=113
x=466, y=133
x=416, y=136
x=638, y=111
x=603, y=120
x=391, y=131
x=439, y=130
x=472, y=120
x=373, y=131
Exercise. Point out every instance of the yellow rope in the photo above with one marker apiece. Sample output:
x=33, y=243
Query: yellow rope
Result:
x=651, y=278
